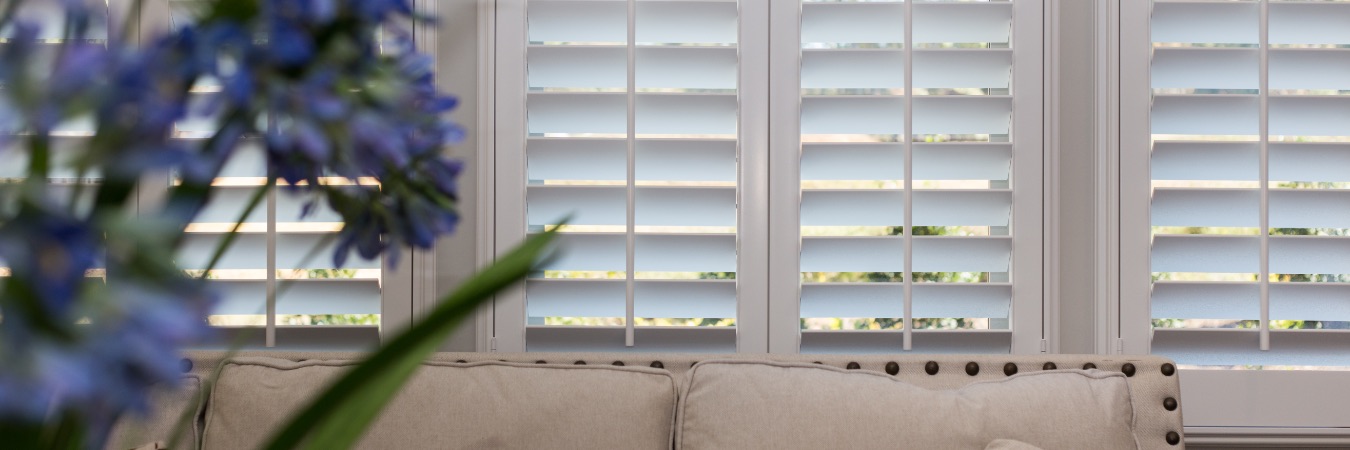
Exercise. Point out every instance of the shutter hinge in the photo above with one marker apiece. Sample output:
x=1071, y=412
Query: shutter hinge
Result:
x=492, y=344
x=1120, y=346
x=1045, y=346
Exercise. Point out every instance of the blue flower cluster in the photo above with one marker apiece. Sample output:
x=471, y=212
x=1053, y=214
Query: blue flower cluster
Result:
x=349, y=114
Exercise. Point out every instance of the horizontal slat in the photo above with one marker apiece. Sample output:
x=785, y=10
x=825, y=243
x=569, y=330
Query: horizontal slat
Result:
x=962, y=208
x=1309, y=69
x=685, y=114
x=1206, y=115
x=689, y=68
x=646, y=339
x=686, y=22
x=879, y=23
x=313, y=296
x=1242, y=301
x=1309, y=209
x=887, y=300
x=249, y=159
x=853, y=116
x=1309, y=254
x=59, y=195
x=853, y=254
x=853, y=161
x=651, y=298
x=962, y=115
x=1315, y=116
x=1307, y=23
x=578, y=21
x=577, y=67
x=653, y=252
x=887, y=208
x=962, y=161
x=1239, y=254
x=1215, y=254
x=1202, y=300
x=202, y=118
x=924, y=342
x=1309, y=162
x=1207, y=68
x=1218, y=22
x=298, y=338
x=853, y=208
x=1209, y=161
x=663, y=206
x=962, y=22
x=568, y=159
x=1206, y=207
x=1241, y=347
x=577, y=113
x=228, y=202
x=1310, y=301
x=249, y=251
x=886, y=254
x=876, y=70
x=686, y=160
x=958, y=69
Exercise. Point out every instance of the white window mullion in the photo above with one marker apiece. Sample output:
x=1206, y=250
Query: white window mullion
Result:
x=908, y=148
x=630, y=230
x=785, y=193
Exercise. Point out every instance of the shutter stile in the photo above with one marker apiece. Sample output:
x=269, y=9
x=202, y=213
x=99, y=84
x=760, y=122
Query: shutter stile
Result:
x=1249, y=125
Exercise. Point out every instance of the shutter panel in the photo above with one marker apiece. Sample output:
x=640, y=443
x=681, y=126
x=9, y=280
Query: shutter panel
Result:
x=278, y=283
x=1248, y=166
x=631, y=122
x=67, y=140
x=924, y=91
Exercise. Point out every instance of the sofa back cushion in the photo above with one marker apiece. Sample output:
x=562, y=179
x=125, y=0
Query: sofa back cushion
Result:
x=449, y=405
x=734, y=404
x=171, y=419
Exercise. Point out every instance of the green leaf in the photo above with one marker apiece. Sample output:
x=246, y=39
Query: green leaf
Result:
x=339, y=416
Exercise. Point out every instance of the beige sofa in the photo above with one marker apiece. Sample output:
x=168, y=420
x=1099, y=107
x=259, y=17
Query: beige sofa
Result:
x=686, y=401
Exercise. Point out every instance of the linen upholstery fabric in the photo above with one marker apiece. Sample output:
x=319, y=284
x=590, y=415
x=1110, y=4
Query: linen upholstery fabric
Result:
x=727, y=404
x=448, y=405
x=1009, y=444
x=1149, y=387
x=167, y=406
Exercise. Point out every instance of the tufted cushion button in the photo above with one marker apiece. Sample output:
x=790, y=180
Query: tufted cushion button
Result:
x=1127, y=369
x=1173, y=438
x=579, y=363
x=1049, y=366
x=1168, y=369
x=658, y=365
x=1089, y=366
x=1010, y=369
x=461, y=361
x=972, y=369
x=1170, y=403
x=892, y=368
x=853, y=366
x=618, y=363
x=931, y=367
x=541, y=362
x=185, y=365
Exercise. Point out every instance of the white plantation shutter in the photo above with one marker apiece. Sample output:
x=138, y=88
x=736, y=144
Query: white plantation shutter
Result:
x=279, y=286
x=631, y=125
x=647, y=130
x=1242, y=168
x=913, y=116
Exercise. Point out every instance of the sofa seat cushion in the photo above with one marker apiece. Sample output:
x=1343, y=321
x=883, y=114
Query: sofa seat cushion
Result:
x=172, y=418
x=734, y=404
x=449, y=405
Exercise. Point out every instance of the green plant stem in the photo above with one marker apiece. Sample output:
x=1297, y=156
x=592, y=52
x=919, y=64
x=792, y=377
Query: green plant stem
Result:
x=338, y=417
